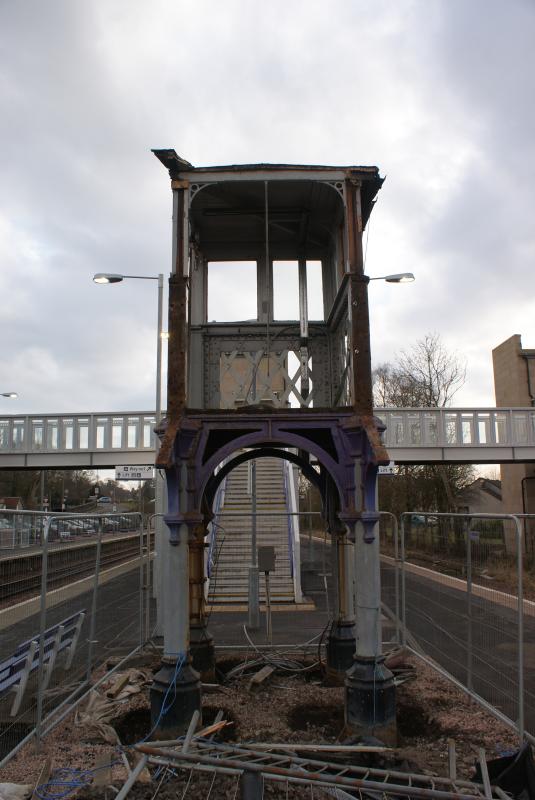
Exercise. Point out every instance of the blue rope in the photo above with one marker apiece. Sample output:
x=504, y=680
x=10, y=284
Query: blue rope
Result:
x=165, y=705
x=65, y=781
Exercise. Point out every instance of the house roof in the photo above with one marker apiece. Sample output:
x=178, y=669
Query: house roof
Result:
x=11, y=502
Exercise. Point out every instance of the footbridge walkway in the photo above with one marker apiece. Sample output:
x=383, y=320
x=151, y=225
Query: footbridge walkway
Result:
x=413, y=436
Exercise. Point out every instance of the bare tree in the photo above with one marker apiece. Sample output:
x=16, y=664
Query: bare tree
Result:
x=425, y=376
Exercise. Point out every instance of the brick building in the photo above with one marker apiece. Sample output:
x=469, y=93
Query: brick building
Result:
x=514, y=386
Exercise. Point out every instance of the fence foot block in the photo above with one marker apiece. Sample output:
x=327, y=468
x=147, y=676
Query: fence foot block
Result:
x=370, y=700
x=174, y=698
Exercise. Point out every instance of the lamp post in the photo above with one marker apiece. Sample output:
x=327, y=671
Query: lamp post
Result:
x=107, y=277
x=399, y=277
x=11, y=395
x=111, y=277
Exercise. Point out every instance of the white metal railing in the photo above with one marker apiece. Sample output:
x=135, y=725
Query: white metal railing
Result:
x=77, y=433
x=134, y=431
x=458, y=427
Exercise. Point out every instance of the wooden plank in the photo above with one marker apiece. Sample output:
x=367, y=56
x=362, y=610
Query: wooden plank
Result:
x=260, y=676
x=452, y=760
x=214, y=728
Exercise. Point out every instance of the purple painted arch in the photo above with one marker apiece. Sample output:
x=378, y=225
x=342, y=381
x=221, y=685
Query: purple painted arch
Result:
x=338, y=471
x=263, y=452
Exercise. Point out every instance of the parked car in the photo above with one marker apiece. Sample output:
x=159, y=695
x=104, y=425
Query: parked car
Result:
x=110, y=524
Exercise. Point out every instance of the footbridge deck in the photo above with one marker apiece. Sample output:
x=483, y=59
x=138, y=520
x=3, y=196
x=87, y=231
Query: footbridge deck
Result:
x=413, y=435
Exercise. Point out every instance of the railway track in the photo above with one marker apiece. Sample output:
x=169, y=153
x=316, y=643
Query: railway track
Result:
x=21, y=575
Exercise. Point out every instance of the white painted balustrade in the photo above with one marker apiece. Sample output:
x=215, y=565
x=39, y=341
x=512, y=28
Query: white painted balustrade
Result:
x=416, y=435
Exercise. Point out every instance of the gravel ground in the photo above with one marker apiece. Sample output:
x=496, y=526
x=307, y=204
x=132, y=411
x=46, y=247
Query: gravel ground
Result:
x=287, y=708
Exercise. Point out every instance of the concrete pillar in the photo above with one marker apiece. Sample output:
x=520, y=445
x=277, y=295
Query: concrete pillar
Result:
x=176, y=689
x=370, y=707
x=341, y=641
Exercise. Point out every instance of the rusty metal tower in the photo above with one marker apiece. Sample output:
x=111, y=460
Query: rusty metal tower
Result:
x=298, y=388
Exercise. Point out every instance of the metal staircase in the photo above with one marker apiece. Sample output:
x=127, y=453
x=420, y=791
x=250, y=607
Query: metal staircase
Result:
x=231, y=549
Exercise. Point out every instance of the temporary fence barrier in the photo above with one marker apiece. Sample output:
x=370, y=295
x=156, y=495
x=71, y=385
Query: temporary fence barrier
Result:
x=462, y=604
x=67, y=604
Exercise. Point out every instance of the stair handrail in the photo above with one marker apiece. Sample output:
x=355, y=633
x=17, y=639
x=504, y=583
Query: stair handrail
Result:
x=213, y=526
x=292, y=506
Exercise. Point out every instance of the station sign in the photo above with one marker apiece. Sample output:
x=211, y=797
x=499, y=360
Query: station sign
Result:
x=134, y=473
x=388, y=469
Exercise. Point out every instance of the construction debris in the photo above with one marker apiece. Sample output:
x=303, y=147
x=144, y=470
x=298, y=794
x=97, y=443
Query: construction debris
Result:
x=15, y=791
x=276, y=765
x=260, y=676
x=101, y=708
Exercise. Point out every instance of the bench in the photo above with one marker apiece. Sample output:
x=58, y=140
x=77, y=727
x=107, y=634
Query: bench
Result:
x=15, y=670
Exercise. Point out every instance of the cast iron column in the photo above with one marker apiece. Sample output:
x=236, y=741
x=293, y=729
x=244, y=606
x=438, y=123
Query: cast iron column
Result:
x=201, y=640
x=370, y=692
x=370, y=696
x=176, y=689
x=341, y=641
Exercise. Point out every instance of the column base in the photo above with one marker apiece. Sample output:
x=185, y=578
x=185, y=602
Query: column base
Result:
x=172, y=702
x=340, y=650
x=370, y=700
x=201, y=646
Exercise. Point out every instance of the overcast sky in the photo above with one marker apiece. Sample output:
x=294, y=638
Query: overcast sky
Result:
x=438, y=93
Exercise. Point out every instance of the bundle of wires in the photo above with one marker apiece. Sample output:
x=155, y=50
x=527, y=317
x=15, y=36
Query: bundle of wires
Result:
x=64, y=782
x=277, y=659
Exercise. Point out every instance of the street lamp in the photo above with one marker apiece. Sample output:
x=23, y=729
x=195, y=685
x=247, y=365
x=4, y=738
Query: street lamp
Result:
x=400, y=277
x=12, y=395
x=112, y=277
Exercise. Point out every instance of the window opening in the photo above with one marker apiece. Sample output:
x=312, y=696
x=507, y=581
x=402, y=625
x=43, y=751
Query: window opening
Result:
x=285, y=290
x=315, y=290
x=232, y=291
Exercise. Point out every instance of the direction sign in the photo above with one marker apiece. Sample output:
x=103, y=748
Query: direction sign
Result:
x=387, y=470
x=134, y=473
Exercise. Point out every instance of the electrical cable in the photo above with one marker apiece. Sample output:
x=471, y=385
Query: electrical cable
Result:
x=66, y=780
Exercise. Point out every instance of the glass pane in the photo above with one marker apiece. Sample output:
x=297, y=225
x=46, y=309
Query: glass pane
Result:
x=68, y=434
x=37, y=434
x=117, y=432
x=483, y=427
x=148, y=425
x=467, y=427
x=285, y=290
x=450, y=428
x=101, y=433
x=232, y=291
x=131, y=432
x=83, y=434
x=520, y=428
x=414, y=429
x=500, y=422
x=52, y=434
x=4, y=434
x=430, y=429
x=18, y=433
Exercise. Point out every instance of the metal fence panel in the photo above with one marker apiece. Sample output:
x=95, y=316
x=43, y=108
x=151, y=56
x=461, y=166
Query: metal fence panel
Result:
x=463, y=603
x=70, y=597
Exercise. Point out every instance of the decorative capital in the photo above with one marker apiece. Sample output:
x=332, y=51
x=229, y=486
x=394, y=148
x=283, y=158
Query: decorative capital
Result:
x=369, y=520
x=190, y=519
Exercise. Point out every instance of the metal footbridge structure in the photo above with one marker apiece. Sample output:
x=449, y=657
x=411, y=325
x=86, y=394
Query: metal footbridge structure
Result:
x=412, y=436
